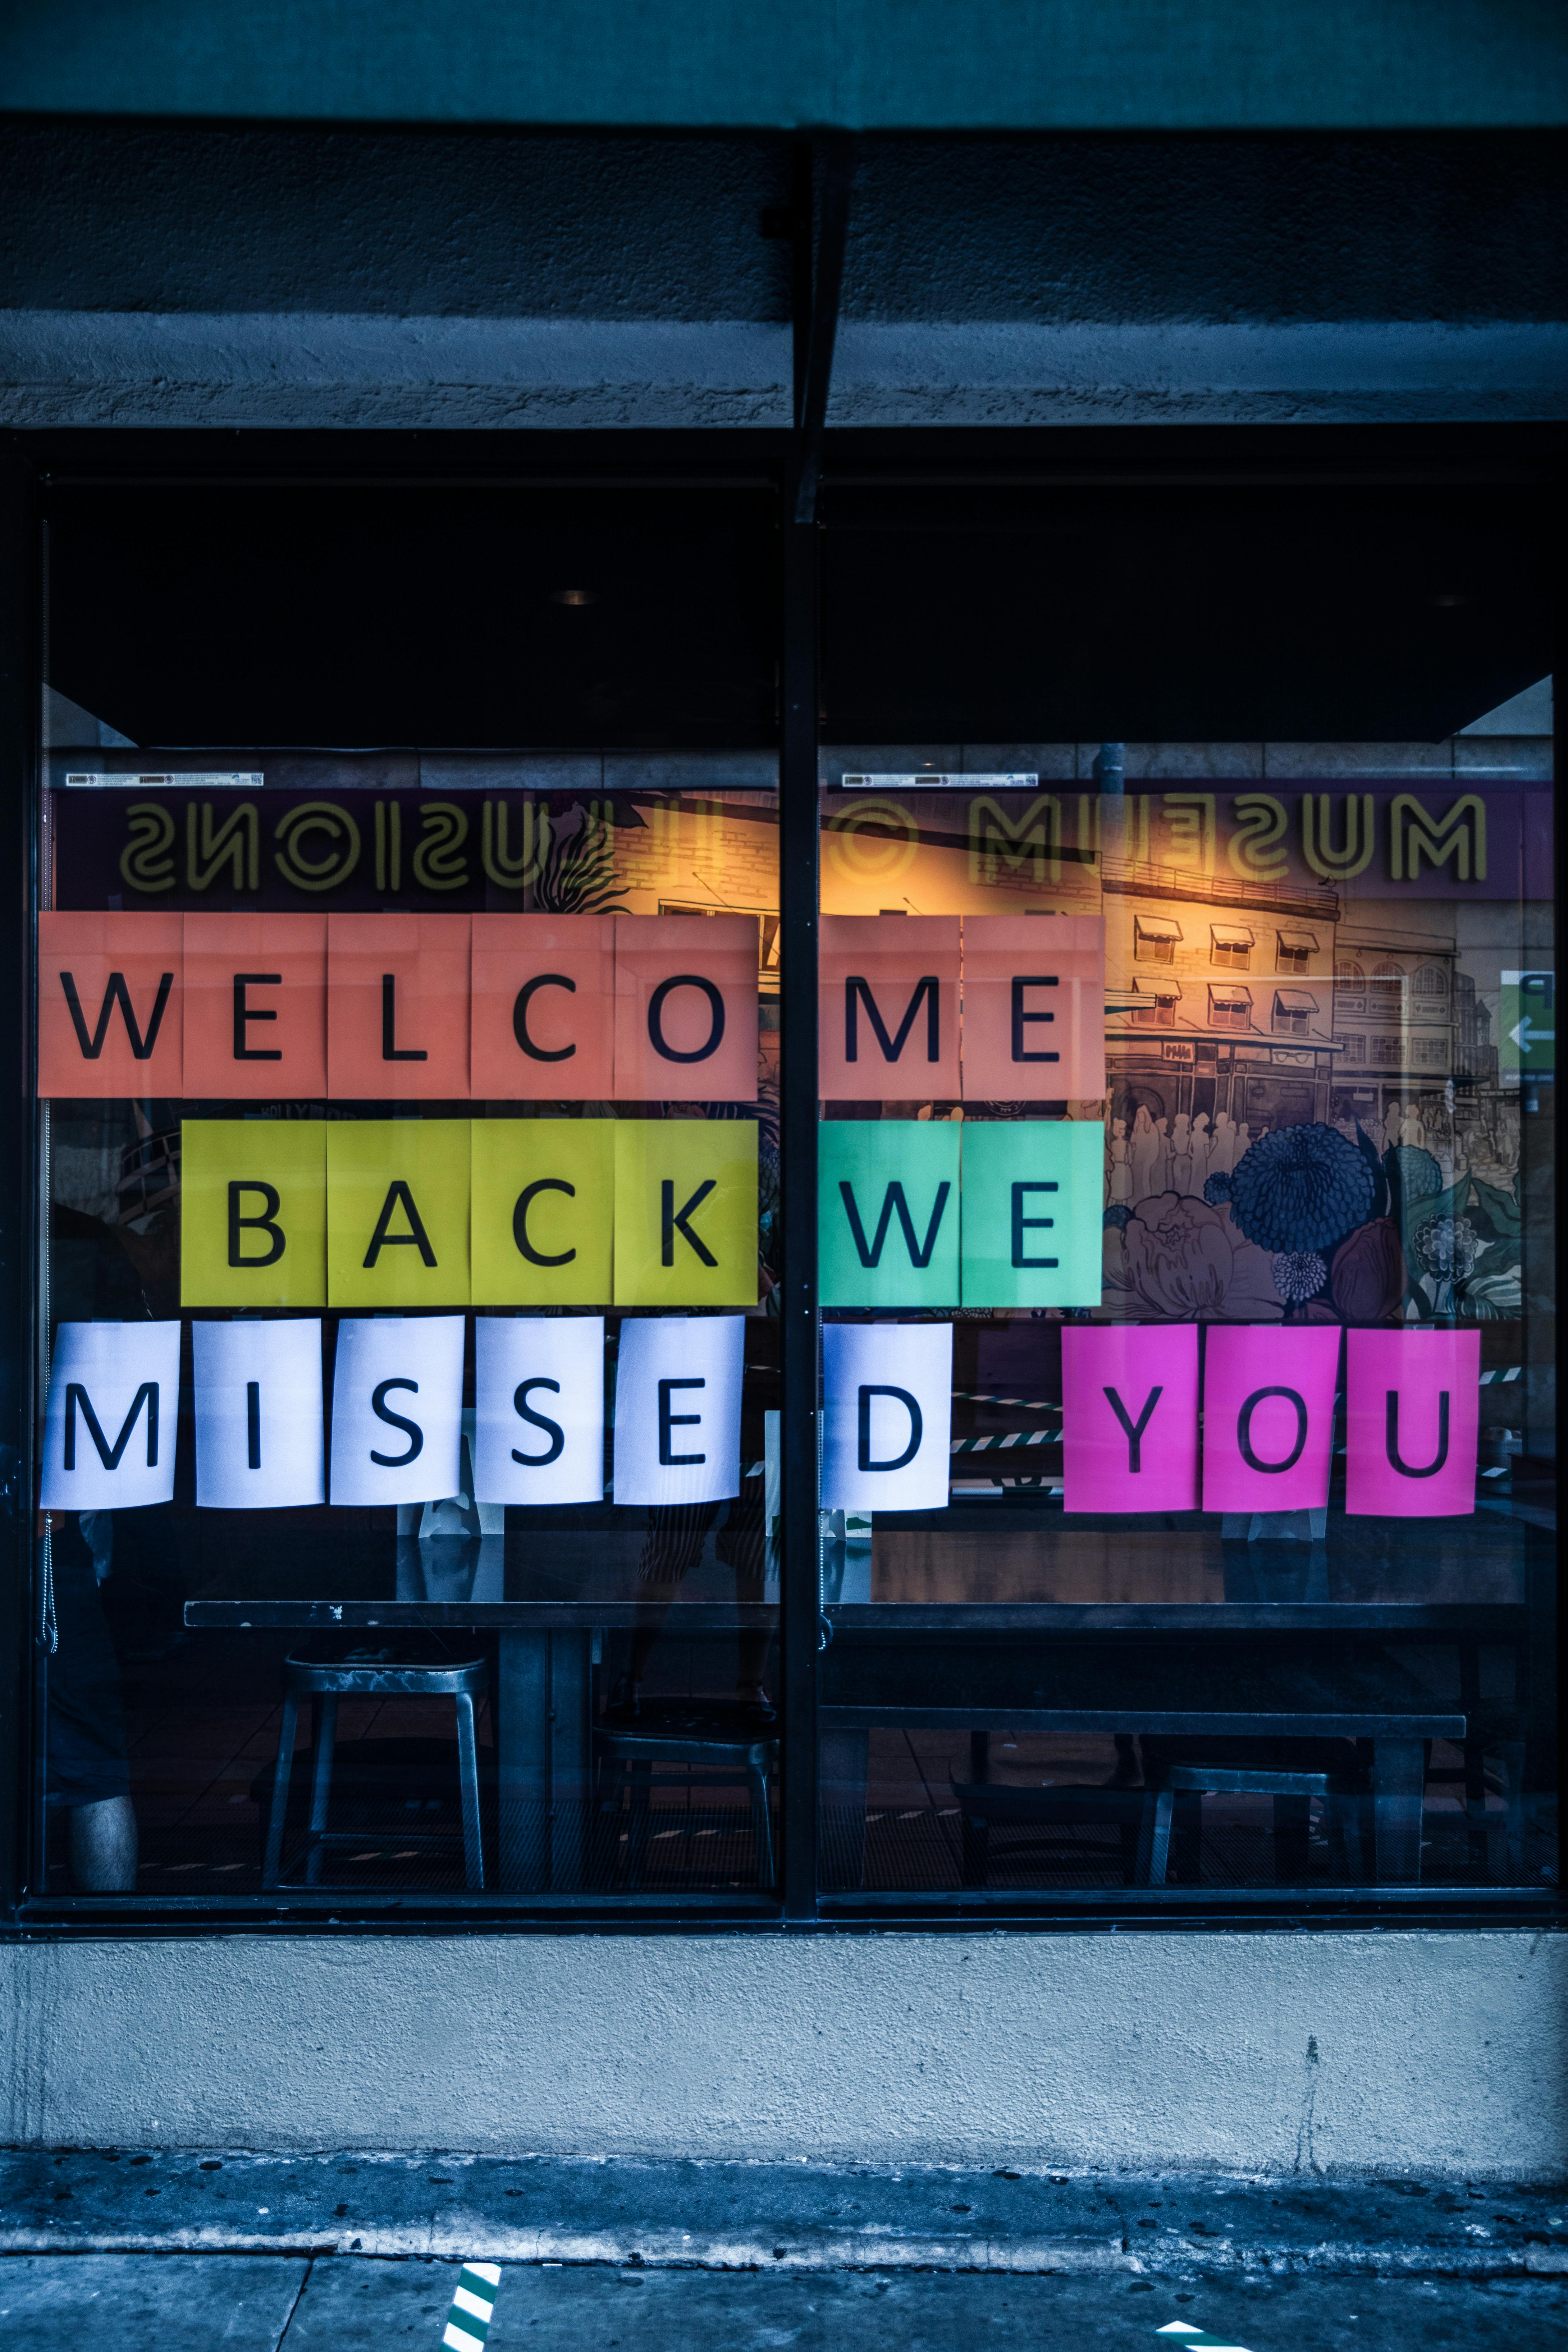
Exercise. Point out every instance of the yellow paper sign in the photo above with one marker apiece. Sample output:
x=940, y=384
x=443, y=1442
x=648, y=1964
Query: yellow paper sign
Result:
x=543, y=1197
x=397, y=1213
x=686, y=1213
x=253, y=1213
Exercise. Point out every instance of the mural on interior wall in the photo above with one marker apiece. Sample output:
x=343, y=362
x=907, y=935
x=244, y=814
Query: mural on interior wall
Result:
x=1307, y=1119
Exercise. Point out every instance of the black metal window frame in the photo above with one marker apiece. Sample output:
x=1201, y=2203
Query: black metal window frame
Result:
x=800, y=468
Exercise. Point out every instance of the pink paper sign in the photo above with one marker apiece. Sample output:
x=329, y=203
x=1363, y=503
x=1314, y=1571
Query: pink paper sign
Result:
x=1129, y=1417
x=1413, y=1410
x=1269, y=1416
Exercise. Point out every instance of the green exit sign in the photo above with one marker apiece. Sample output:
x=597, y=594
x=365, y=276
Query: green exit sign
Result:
x=1527, y=1023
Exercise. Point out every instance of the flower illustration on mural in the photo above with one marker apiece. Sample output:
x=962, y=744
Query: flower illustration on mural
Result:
x=1177, y=1255
x=1367, y=1285
x=1297, y=1189
x=1299, y=1275
x=1413, y=1172
x=1179, y=1258
x=1446, y=1247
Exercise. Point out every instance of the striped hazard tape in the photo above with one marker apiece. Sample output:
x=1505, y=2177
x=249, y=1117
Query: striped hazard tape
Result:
x=996, y=1444
x=1185, y=2333
x=473, y=2306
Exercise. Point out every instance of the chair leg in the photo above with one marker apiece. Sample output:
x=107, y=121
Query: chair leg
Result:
x=1475, y=1769
x=1292, y=1835
x=616, y=1777
x=1512, y=1754
x=272, y=1860
x=1399, y=1782
x=1131, y=1840
x=468, y=1782
x=320, y=1785
x=641, y=1821
x=757, y=1781
x=1187, y=1834
x=1154, y=1838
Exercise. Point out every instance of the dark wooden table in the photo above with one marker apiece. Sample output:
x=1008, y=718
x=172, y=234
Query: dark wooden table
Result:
x=1189, y=1669
x=1156, y=1683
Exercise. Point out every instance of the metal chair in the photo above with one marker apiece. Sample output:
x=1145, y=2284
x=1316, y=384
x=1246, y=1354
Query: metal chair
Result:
x=1494, y=1731
x=985, y=1805
x=1341, y=1780
x=381, y=1677
x=702, y=1747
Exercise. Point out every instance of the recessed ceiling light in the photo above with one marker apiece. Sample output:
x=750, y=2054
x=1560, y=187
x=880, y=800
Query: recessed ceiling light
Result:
x=1449, y=603
x=572, y=596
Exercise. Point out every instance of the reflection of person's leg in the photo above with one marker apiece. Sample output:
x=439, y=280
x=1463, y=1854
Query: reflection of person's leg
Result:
x=649, y=1624
x=88, y=1779
x=752, y=1664
x=676, y=1535
x=103, y=1846
x=742, y=1544
x=753, y=1643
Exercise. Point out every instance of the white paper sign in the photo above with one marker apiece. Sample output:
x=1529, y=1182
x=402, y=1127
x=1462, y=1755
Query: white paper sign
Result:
x=259, y=1414
x=110, y=1423
x=678, y=1409
x=539, y=1400
x=397, y=1409
x=886, y=1416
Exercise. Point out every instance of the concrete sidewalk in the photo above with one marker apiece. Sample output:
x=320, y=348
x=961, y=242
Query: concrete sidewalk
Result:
x=795, y=2217
x=192, y=2303
x=180, y=2250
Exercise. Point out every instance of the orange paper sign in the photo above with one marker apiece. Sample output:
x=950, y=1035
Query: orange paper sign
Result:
x=111, y=1014
x=888, y=1008
x=1034, y=1008
x=397, y=1007
x=256, y=1007
x=685, y=1008
x=543, y=1008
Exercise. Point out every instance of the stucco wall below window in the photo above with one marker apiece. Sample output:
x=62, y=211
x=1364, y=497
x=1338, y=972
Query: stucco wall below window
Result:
x=1273, y=2052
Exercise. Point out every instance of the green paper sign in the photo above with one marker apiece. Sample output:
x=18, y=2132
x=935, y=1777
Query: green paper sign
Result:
x=888, y=1212
x=1032, y=1211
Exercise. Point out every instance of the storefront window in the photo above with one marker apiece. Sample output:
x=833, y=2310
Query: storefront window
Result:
x=423, y=1423
x=1188, y=1351
x=409, y=1138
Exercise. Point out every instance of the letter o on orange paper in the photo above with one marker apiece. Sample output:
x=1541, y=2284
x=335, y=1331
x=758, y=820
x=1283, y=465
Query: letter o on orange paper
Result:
x=685, y=1008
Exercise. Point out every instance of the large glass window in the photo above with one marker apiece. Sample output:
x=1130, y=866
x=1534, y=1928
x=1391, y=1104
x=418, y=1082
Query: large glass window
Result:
x=423, y=1523
x=1188, y=1347
x=410, y=1135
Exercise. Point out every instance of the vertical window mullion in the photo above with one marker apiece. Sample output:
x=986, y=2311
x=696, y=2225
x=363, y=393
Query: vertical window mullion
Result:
x=20, y=671
x=800, y=1337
